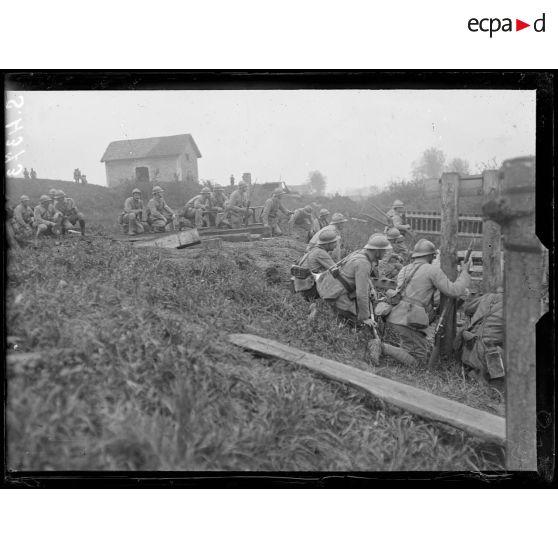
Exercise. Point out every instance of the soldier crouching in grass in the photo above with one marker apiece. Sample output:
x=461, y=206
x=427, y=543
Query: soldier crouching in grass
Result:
x=133, y=211
x=22, y=221
x=45, y=218
x=270, y=213
x=417, y=285
x=68, y=214
x=159, y=214
x=301, y=223
x=197, y=210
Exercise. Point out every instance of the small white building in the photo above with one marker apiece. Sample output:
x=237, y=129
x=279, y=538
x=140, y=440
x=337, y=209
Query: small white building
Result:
x=166, y=158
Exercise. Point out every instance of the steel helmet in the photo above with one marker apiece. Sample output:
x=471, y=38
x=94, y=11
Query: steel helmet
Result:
x=394, y=234
x=24, y=198
x=398, y=203
x=242, y=184
x=307, y=209
x=324, y=212
x=423, y=248
x=378, y=242
x=278, y=191
x=157, y=190
x=60, y=194
x=52, y=192
x=205, y=190
x=44, y=198
x=136, y=191
x=338, y=218
x=326, y=237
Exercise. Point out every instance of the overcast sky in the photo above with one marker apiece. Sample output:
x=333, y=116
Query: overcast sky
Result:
x=356, y=138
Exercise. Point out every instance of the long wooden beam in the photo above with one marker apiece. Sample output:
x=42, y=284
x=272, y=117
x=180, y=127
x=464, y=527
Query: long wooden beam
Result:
x=417, y=401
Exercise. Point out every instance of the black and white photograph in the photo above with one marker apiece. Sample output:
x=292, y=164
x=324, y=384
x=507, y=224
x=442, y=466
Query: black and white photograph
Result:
x=264, y=277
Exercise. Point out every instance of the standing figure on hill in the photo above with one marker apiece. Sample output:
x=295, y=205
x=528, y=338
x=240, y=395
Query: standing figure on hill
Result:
x=237, y=208
x=77, y=175
x=323, y=218
x=83, y=179
x=418, y=284
x=25, y=174
x=68, y=213
x=33, y=174
x=317, y=260
x=197, y=210
x=355, y=275
x=45, y=218
x=272, y=208
x=301, y=224
x=396, y=217
x=159, y=214
x=337, y=223
x=132, y=215
x=22, y=222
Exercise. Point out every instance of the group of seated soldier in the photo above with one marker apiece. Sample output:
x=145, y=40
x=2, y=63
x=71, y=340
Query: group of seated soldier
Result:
x=55, y=214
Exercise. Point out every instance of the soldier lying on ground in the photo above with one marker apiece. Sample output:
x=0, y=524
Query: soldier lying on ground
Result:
x=22, y=222
x=337, y=223
x=301, y=223
x=132, y=215
x=417, y=285
x=271, y=210
x=45, y=218
x=316, y=260
x=159, y=214
x=67, y=213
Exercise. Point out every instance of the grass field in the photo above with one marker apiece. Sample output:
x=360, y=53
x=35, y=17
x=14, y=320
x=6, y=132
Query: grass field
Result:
x=132, y=369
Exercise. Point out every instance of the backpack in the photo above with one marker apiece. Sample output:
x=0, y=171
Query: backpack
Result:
x=330, y=284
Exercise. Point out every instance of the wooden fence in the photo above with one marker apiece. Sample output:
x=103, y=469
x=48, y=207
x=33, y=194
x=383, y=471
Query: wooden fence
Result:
x=430, y=222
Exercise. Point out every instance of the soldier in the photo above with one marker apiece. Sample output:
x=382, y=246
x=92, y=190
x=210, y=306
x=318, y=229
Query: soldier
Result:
x=195, y=209
x=77, y=175
x=399, y=245
x=396, y=216
x=67, y=213
x=237, y=208
x=271, y=210
x=354, y=304
x=336, y=225
x=317, y=260
x=159, y=214
x=33, y=174
x=315, y=218
x=22, y=222
x=52, y=194
x=218, y=202
x=396, y=258
x=301, y=223
x=417, y=284
x=323, y=218
x=25, y=174
x=83, y=179
x=133, y=212
x=44, y=218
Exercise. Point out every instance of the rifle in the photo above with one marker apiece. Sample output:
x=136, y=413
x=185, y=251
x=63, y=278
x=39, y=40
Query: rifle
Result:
x=381, y=212
x=370, y=218
x=249, y=203
x=439, y=334
x=469, y=251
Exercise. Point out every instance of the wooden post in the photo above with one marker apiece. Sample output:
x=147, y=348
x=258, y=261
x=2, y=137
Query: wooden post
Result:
x=515, y=211
x=449, y=195
x=491, y=237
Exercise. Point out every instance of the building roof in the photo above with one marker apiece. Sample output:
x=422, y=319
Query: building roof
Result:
x=164, y=146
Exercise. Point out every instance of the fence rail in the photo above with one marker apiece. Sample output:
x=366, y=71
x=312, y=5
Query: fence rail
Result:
x=430, y=222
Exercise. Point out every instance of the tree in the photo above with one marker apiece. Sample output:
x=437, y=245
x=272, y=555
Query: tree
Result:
x=430, y=164
x=317, y=182
x=458, y=165
x=491, y=164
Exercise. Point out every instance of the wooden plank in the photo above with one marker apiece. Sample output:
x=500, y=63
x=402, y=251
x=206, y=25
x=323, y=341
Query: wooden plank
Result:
x=448, y=249
x=522, y=265
x=417, y=401
x=492, y=235
x=172, y=240
x=251, y=229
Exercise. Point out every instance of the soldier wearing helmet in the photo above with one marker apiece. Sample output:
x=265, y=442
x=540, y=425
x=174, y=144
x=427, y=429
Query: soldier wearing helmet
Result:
x=22, y=221
x=219, y=198
x=67, y=213
x=323, y=218
x=45, y=218
x=418, y=285
x=317, y=260
x=301, y=223
x=132, y=215
x=159, y=214
x=396, y=258
x=355, y=273
x=271, y=210
x=199, y=210
x=237, y=208
x=396, y=216
x=337, y=223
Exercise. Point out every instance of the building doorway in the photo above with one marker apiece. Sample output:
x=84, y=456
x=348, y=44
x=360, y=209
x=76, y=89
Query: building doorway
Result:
x=142, y=174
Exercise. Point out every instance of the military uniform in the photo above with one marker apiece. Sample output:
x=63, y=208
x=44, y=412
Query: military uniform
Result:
x=317, y=261
x=236, y=208
x=336, y=253
x=68, y=214
x=421, y=290
x=45, y=219
x=270, y=214
x=301, y=225
x=159, y=214
x=22, y=221
x=133, y=211
x=194, y=210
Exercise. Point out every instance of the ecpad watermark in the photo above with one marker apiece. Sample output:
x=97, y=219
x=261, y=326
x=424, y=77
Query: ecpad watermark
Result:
x=494, y=25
